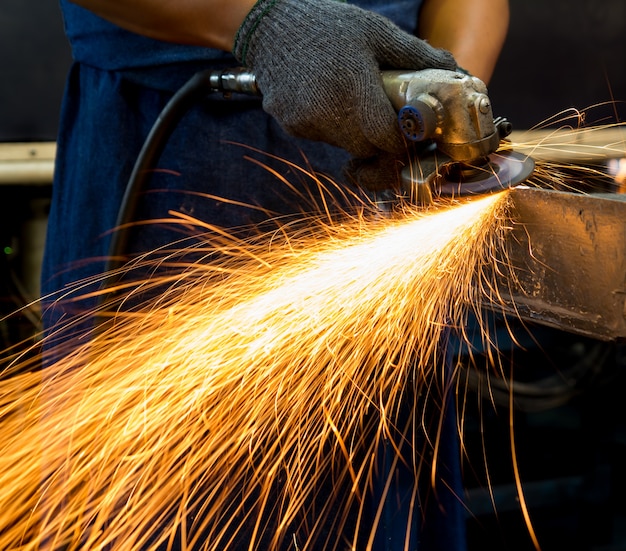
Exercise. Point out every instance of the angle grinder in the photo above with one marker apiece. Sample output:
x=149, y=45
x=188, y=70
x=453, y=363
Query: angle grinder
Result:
x=450, y=113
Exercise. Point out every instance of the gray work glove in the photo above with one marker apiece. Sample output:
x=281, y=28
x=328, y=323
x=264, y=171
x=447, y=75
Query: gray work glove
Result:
x=318, y=63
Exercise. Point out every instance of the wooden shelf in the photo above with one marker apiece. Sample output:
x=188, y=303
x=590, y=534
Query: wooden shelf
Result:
x=27, y=163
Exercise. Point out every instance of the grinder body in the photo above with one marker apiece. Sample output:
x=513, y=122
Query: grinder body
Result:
x=449, y=107
x=452, y=111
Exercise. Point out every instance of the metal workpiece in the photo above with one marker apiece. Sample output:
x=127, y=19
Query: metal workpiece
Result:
x=567, y=258
x=584, y=145
x=449, y=107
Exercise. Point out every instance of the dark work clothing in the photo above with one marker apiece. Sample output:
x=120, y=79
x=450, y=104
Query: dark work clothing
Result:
x=115, y=91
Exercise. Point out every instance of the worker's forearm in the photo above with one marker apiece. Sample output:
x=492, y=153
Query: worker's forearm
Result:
x=473, y=31
x=211, y=23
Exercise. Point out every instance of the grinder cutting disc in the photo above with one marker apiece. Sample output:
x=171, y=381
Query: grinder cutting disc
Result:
x=499, y=170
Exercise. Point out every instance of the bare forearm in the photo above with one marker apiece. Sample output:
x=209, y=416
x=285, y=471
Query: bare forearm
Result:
x=473, y=30
x=211, y=23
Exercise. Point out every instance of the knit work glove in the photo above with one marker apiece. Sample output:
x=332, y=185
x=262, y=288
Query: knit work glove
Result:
x=318, y=63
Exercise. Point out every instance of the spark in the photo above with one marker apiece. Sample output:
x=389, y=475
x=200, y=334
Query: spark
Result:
x=228, y=407
x=243, y=406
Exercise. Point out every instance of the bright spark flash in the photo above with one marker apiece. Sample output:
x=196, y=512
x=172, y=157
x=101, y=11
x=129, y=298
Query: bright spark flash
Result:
x=221, y=413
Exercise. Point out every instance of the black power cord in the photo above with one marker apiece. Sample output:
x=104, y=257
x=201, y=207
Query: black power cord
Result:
x=195, y=89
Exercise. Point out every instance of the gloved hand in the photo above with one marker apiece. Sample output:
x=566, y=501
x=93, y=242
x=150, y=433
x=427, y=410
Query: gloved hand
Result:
x=318, y=63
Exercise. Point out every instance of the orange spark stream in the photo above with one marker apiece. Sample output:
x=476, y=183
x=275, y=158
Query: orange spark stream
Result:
x=216, y=416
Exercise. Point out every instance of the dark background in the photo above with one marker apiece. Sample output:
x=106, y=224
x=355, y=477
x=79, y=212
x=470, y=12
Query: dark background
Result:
x=34, y=58
x=561, y=54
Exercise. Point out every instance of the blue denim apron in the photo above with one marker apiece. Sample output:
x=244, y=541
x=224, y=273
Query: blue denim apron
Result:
x=115, y=91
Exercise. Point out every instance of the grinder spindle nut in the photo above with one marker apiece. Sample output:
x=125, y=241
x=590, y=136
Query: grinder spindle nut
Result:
x=418, y=122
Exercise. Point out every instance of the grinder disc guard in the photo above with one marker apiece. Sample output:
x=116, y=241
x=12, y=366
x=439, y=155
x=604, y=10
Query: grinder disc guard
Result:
x=499, y=170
